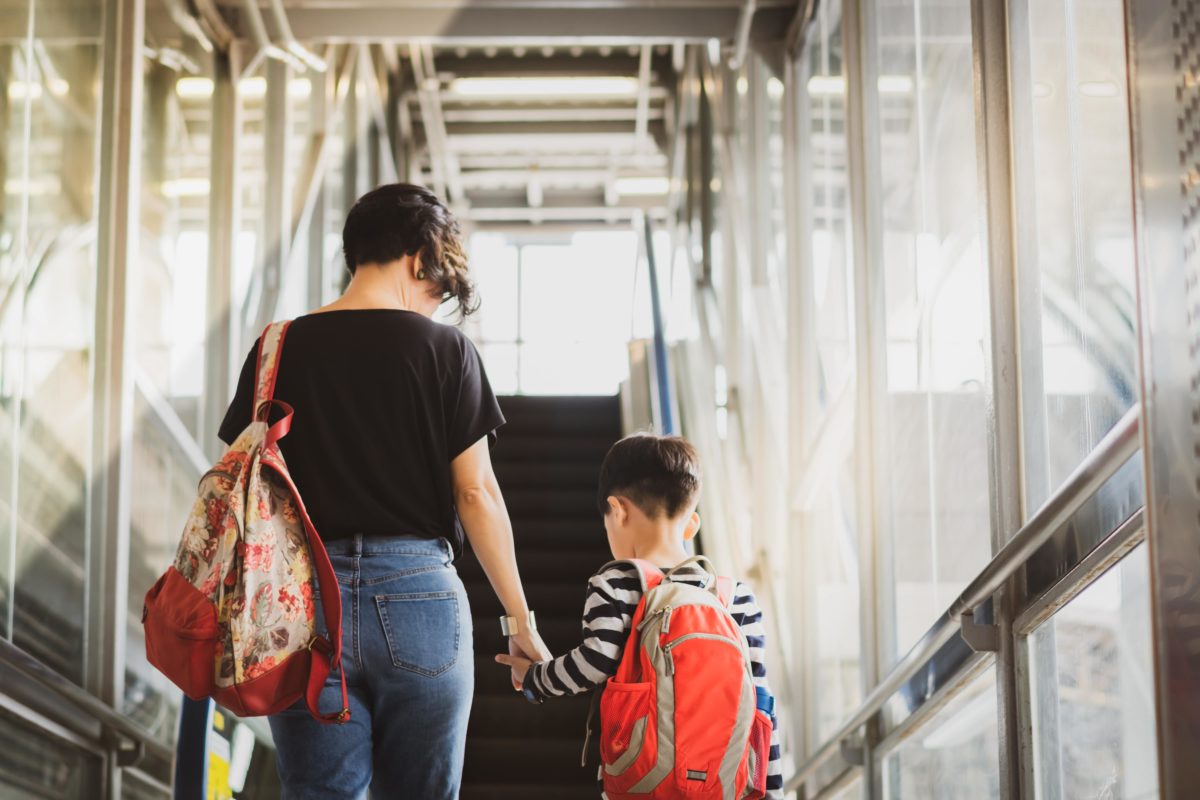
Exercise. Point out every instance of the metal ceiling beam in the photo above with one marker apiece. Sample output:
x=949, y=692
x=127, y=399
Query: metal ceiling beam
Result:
x=694, y=22
x=590, y=64
x=539, y=114
x=580, y=127
x=442, y=157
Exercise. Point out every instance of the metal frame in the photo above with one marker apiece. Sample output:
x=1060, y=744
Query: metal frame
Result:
x=119, y=182
x=1109, y=455
x=1168, y=263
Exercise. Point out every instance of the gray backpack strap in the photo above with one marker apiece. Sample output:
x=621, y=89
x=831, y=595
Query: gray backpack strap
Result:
x=702, y=561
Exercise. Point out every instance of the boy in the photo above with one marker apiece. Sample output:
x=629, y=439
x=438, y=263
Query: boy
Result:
x=649, y=488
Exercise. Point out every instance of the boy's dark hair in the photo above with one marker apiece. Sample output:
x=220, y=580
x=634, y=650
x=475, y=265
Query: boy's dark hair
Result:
x=659, y=474
x=400, y=219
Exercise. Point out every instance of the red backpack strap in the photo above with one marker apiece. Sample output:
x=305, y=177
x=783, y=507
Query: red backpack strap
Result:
x=726, y=587
x=326, y=653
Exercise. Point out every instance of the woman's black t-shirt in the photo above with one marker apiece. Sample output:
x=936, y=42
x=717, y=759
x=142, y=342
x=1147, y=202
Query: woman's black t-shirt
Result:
x=384, y=400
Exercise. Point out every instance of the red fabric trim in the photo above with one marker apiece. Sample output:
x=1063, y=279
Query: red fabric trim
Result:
x=270, y=692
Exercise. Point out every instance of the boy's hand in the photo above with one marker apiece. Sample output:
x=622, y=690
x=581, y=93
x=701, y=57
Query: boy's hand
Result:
x=519, y=664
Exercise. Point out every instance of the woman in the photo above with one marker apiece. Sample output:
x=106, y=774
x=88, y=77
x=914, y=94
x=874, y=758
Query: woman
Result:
x=390, y=450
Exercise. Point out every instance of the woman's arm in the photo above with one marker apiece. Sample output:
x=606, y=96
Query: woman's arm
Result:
x=485, y=520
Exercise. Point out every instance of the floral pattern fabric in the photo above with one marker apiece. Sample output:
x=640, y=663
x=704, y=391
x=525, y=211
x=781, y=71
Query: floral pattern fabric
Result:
x=245, y=548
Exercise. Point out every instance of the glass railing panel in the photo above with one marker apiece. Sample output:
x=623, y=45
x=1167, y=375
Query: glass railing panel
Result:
x=952, y=756
x=36, y=766
x=1092, y=691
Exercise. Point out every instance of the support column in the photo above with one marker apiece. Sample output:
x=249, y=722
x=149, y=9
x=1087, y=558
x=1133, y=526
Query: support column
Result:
x=112, y=450
x=1166, y=157
x=219, y=357
x=994, y=152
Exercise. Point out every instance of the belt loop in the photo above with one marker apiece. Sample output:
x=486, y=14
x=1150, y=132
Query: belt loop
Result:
x=358, y=544
x=449, y=550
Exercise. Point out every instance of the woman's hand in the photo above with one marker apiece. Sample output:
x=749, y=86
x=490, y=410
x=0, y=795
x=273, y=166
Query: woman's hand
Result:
x=524, y=649
x=530, y=644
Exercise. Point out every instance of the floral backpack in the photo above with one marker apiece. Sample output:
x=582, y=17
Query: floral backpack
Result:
x=234, y=618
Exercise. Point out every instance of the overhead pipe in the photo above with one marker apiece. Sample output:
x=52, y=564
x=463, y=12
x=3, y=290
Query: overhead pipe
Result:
x=188, y=24
x=309, y=58
x=742, y=37
x=265, y=47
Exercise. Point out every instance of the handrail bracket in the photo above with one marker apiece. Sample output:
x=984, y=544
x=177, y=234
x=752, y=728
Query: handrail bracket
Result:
x=852, y=751
x=980, y=637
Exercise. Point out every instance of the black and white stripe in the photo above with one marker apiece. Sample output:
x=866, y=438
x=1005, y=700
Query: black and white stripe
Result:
x=612, y=597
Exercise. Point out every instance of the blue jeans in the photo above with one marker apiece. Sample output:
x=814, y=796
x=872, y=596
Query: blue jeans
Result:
x=406, y=650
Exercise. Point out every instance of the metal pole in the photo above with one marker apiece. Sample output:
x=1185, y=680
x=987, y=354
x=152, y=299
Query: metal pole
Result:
x=993, y=148
x=1162, y=50
x=661, y=367
x=222, y=236
x=112, y=452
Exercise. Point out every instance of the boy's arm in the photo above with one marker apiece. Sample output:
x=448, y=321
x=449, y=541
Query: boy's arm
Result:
x=612, y=597
x=748, y=616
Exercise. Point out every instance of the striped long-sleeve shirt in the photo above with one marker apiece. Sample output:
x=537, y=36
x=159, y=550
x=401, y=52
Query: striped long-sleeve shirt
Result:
x=612, y=597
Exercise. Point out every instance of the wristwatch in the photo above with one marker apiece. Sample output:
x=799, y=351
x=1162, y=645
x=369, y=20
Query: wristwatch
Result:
x=511, y=626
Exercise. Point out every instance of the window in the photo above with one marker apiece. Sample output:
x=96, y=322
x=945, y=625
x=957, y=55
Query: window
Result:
x=1075, y=222
x=933, y=478
x=47, y=330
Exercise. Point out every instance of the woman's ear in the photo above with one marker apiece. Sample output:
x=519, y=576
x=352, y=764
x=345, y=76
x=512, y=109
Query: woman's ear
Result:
x=692, y=527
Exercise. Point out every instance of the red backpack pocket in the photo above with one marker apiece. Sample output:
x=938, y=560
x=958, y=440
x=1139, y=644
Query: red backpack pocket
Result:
x=627, y=724
x=181, y=634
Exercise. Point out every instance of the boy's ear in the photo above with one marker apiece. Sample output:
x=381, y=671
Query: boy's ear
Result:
x=615, y=506
x=692, y=527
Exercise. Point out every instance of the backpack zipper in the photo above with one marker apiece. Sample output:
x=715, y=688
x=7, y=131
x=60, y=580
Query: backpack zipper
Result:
x=664, y=612
x=669, y=646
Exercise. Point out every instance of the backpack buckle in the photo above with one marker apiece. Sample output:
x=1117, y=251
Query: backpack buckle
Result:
x=343, y=715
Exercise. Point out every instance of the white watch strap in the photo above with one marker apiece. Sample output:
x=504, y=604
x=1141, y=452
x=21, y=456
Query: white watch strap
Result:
x=511, y=626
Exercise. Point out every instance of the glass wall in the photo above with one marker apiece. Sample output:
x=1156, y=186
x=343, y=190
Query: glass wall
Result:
x=47, y=326
x=933, y=512
x=1072, y=157
x=829, y=492
x=894, y=418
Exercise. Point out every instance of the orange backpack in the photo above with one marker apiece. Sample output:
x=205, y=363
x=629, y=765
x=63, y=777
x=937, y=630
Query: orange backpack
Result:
x=680, y=717
x=234, y=618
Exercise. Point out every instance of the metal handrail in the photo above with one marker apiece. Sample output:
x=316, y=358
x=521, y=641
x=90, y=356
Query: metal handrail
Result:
x=1105, y=459
x=106, y=715
x=661, y=364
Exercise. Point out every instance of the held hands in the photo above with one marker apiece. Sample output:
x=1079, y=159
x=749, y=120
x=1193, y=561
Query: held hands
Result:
x=524, y=649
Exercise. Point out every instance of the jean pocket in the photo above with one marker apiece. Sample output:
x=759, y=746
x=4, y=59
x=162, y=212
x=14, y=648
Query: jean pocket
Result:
x=421, y=629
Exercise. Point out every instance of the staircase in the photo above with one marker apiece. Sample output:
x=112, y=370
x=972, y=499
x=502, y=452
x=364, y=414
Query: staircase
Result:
x=547, y=460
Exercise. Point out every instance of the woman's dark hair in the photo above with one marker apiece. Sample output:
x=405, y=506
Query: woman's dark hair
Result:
x=658, y=474
x=402, y=219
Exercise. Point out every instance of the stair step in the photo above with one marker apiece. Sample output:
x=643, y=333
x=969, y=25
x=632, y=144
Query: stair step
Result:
x=577, y=504
x=511, y=715
x=490, y=791
x=518, y=475
x=572, y=566
x=559, y=635
x=537, y=761
x=589, y=449
x=550, y=600
x=560, y=533
x=567, y=410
